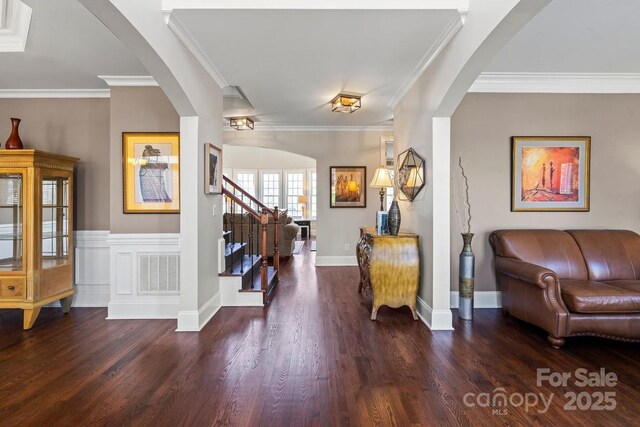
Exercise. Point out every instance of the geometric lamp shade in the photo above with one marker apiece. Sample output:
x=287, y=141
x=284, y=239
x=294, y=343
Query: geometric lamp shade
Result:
x=410, y=175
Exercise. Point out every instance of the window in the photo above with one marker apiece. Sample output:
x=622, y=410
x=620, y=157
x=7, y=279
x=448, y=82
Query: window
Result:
x=313, y=199
x=246, y=179
x=270, y=188
x=389, y=197
x=294, y=188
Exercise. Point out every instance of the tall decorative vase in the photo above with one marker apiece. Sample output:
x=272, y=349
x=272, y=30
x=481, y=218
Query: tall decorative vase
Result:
x=466, y=273
x=394, y=218
x=14, y=142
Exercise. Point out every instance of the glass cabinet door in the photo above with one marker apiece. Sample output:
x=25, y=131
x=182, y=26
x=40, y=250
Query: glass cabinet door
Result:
x=55, y=221
x=11, y=221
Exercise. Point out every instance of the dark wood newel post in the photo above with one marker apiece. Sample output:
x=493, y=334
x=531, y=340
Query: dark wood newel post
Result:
x=276, y=251
x=264, y=220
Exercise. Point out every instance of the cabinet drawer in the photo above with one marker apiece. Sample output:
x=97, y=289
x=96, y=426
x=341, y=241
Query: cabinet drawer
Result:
x=12, y=288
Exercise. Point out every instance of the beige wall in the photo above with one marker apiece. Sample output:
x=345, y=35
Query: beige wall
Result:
x=481, y=130
x=75, y=127
x=237, y=157
x=335, y=227
x=138, y=109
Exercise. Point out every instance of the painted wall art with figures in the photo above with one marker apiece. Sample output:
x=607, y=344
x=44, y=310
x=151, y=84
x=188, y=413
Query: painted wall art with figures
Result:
x=550, y=173
x=151, y=172
x=348, y=186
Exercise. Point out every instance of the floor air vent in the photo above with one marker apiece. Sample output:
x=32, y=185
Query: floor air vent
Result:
x=158, y=274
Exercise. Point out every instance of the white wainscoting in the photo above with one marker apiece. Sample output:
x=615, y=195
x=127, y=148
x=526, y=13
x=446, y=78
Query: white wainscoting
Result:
x=144, y=276
x=91, y=268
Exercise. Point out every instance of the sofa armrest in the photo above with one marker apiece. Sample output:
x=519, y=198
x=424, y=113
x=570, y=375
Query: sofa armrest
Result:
x=526, y=272
x=290, y=231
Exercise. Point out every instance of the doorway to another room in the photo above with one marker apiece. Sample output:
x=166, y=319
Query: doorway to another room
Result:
x=283, y=179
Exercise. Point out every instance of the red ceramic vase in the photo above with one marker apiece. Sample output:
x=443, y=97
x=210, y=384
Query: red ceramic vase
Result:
x=14, y=142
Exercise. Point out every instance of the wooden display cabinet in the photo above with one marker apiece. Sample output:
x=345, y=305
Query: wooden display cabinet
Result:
x=36, y=231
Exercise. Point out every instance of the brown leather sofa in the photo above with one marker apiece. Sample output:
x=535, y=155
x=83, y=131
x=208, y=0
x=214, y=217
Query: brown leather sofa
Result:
x=571, y=283
x=287, y=232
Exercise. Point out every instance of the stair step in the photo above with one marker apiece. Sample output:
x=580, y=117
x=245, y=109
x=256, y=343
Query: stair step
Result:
x=242, y=266
x=226, y=235
x=232, y=253
x=256, y=285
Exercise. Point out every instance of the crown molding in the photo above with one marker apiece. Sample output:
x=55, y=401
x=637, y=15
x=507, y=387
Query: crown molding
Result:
x=557, y=83
x=432, y=53
x=54, y=93
x=15, y=21
x=174, y=23
x=267, y=128
x=169, y=5
x=129, y=80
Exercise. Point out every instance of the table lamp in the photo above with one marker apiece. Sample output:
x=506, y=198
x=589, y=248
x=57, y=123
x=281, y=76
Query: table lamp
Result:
x=382, y=180
x=302, y=201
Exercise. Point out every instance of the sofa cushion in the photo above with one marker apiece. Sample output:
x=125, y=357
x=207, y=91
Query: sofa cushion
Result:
x=552, y=249
x=632, y=285
x=609, y=254
x=585, y=296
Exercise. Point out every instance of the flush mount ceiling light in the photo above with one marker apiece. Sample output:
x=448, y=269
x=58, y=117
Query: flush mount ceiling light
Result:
x=344, y=103
x=241, y=123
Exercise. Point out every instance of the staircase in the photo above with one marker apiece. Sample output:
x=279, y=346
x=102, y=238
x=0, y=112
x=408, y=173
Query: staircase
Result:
x=246, y=278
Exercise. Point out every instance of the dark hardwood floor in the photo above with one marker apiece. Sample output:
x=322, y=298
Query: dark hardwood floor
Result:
x=312, y=358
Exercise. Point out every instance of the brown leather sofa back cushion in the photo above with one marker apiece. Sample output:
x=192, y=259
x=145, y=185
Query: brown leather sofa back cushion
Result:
x=553, y=249
x=610, y=254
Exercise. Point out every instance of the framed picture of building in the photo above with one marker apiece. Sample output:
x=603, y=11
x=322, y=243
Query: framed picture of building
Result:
x=212, y=169
x=348, y=186
x=550, y=173
x=151, y=172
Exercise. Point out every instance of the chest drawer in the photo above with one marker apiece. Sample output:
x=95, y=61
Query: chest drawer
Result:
x=12, y=288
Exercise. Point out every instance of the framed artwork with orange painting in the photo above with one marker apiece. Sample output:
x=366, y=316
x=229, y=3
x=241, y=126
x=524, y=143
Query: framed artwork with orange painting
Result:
x=550, y=173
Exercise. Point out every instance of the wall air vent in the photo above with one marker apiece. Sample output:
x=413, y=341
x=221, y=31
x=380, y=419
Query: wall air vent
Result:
x=158, y=274
x=15, y=19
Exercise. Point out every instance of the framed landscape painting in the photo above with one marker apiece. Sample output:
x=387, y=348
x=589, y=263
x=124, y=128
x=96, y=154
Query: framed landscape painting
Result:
x=212, y=169
x=151, y=172
x=550, y=173
x=348, y=186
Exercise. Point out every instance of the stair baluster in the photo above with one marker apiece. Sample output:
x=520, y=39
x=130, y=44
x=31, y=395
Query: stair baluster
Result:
x=264, y=221
x=276, y=251
x=251, y=222
x=241, y=240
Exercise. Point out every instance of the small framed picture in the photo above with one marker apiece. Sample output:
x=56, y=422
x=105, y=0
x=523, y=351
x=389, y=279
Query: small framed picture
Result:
x=212, y=169
x=151, y=172
x=550, y=173
x=348, y=186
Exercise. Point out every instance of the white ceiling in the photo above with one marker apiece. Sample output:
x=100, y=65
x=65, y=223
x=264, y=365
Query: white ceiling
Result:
x=67, y=48
x=576, y=36
x=291, y=63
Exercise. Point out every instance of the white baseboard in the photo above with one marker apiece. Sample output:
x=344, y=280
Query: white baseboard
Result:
x=336, y=261
x=194, y=321
x=436, y=320
x=481, y=299
x=151, y=309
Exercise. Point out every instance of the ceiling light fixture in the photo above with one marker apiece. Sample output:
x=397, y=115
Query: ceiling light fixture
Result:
x=241, y=123
x=344, y=103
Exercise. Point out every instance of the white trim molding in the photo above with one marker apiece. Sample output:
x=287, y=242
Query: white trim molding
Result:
x=129, y=80
x=436, y=320
x=131, y=296
x=169, y=5
x=15, y=21
x=268, y=128
x=54, y=93
x=557, y=83
x=481, y=299
x=196, y=50
x=194, y=321
x=336, y=261
x=432, y=53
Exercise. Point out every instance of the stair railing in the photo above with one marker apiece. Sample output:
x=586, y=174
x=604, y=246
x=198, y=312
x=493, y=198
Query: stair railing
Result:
x=259, y=213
